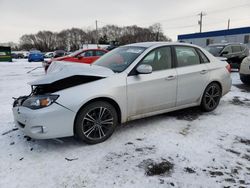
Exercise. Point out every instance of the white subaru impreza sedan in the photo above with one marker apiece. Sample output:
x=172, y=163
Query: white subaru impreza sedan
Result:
x=130, y=82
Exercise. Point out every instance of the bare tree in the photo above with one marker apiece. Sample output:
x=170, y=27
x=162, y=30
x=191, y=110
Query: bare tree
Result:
x=73, y=39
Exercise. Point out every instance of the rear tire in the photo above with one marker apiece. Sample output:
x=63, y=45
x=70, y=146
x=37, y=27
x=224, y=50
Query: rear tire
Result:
x=96, y=122
x=211, y=97
x=245, y=80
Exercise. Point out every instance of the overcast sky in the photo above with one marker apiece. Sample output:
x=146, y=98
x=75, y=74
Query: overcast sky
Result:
x=20, y=17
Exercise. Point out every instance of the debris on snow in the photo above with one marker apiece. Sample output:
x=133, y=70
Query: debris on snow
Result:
x=7, y=132
x=73, y=159
x=157, y=168
x=27, y=138
x=189, y=170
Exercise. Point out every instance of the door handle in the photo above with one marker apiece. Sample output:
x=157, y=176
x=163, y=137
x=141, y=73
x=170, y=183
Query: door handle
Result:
x=203, y=71
x=170, y=77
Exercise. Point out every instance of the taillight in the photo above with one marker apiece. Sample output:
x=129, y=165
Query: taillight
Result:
x=228, y=67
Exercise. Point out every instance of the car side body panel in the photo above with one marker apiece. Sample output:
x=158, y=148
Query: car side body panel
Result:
x=151, y=92
x=116, y=91
x=196, y=75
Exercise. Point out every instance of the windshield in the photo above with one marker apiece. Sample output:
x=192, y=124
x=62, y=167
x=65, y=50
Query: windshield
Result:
x=215, y=50
x=120, y=58
x=75, y=53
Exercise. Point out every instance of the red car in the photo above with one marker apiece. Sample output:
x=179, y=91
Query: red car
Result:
x=81, y=56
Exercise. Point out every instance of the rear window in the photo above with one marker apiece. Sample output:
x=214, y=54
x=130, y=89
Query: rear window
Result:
x=242, y=48
x=186, y=56
x=203, y=57
x=215, y=50
x=236, y=48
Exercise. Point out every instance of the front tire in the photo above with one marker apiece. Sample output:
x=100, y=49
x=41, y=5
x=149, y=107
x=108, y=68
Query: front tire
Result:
x=211, y=97
x=96, y=122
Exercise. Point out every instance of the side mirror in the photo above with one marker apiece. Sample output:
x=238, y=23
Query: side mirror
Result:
x=224, y=53
x=144, y=69
x=79, y=57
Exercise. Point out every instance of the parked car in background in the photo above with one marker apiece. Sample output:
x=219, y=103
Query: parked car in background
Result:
x=35, y=56
x=130, y=82
x=234, y=52
x=245, y=71
x=59, y=53
x=49, y=55
x=14, y=55
x=19, y=54
x=5, y=53
x=113, y=45
x=81, y=56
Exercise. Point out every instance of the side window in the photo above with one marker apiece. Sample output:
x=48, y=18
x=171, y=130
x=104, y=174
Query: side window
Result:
x=159, y=59
x=87, y=54
x=246, y=39
x=227, y=49
x=186, y=56
x=209, y=41
x=203, y=57
x=99, y=53
x=236, y=49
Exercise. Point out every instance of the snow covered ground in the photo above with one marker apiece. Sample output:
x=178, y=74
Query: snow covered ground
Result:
x=194, y=149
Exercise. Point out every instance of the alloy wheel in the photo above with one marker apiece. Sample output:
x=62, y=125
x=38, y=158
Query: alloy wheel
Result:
x=97, y=123
x=212, y=96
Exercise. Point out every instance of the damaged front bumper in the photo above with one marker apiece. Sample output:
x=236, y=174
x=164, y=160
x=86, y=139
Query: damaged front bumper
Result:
x=54, y=121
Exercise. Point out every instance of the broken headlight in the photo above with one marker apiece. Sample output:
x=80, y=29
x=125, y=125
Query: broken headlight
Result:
x=37, y=102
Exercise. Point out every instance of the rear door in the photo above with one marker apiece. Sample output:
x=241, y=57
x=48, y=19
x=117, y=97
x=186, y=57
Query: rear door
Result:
x=229, y=53
x=193, y=74
x=156, y=91
x=98, y=54
x=87, y=57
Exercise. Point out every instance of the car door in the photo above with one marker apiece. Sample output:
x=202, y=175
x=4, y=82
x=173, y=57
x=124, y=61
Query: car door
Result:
x=227, y=52
x=98, y=54
x=192, y=73
x=87, y=57
x=148, y=93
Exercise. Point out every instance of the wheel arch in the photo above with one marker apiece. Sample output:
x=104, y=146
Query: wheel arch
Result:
x=217, y=82
x=214, y=81
x=105, y=99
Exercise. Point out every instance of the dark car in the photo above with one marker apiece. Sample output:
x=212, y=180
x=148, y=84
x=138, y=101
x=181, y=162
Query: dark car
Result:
x=59, y=53
x=234, y=53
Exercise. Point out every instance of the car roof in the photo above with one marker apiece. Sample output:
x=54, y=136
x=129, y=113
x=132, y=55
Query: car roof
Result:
x=152, y=44
x=59, y=51
x=225, y=44
x=96, y=49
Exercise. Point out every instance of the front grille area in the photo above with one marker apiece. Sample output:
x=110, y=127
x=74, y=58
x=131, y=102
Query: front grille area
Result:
x=21, y=124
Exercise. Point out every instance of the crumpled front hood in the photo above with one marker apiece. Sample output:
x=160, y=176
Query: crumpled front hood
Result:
x=60, y=69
